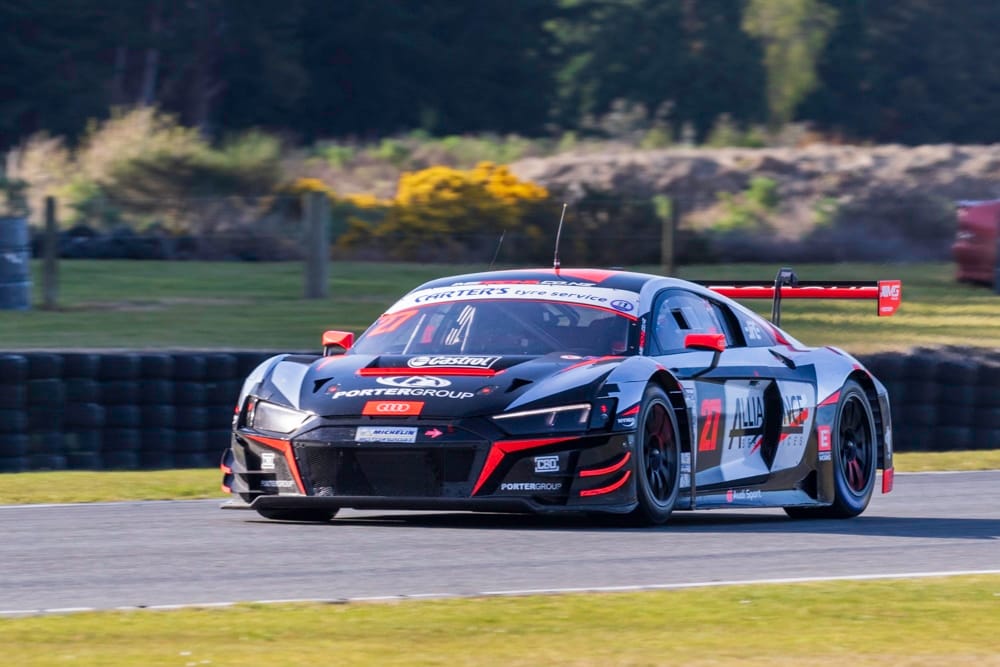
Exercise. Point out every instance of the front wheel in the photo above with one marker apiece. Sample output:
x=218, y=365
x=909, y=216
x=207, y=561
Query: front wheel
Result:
x=657, y=465
x=855, y=457
x=303, y=515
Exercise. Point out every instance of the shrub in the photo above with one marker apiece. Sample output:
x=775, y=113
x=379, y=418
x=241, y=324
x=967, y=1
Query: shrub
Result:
x=443, y=213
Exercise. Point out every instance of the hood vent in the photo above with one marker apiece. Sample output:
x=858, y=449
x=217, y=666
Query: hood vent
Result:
x=517, y=383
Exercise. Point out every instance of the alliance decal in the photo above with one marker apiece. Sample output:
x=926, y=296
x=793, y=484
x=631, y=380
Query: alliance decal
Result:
x=395, y=434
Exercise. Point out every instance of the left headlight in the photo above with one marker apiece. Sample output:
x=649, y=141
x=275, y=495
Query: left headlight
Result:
x=560, y=419
x=266, y=416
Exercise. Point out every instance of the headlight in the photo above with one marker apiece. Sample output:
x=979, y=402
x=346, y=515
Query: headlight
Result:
x=270, y=417
x=546, y=420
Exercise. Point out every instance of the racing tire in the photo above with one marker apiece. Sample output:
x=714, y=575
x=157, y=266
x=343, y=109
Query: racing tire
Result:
x=855, y=457
x=657, y=464
x=301, y=515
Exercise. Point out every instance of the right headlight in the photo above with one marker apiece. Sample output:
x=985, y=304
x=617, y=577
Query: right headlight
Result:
x=559, y=419
x=265, y=416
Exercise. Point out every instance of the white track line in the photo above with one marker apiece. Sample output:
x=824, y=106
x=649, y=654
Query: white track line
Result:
x=503, y=593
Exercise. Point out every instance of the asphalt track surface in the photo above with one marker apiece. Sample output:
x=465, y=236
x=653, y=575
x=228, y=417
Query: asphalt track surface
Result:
x=111, y=555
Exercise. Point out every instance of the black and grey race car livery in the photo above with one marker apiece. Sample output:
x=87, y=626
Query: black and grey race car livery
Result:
x=624, y=394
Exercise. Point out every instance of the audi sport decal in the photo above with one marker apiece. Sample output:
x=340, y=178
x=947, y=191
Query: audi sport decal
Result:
x=452, y=361
x=413, y=381
x=394, y=434
x=613, y=299
x=392, y=408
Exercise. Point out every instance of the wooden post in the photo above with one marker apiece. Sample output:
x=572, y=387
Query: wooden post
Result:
x=666, y=211
x=316, y=224
x=50, y=259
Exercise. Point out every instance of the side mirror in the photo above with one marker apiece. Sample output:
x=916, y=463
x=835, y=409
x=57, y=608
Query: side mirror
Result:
x=705, y=341
x=337, y=342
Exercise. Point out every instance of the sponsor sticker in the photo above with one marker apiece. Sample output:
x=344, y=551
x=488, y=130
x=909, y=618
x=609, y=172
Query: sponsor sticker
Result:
x=615, y=299
x=623, y=305
x=531, y=486
x=546, y=464
x=743, y=495
x=413, y=381
x=267, y=461
x=446, y=361
x=403, y=434
x=277, y=484
x=402, y=392
x=824, y=439
x=392, y=408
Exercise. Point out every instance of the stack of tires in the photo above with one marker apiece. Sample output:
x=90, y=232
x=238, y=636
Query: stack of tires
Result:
x=84, y=414
x=46, y=412
x=157, y=414
x=942, y=399
x=13, y=413
x=206, y=387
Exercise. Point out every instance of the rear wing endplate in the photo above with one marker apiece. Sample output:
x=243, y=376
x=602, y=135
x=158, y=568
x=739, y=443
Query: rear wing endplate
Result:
x=786, y=285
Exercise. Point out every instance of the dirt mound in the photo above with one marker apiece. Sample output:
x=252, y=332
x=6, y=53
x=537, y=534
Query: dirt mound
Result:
x=853, y=180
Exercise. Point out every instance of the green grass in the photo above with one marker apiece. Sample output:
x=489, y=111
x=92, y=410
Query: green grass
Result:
x=947, y=621
x=89, y=486
x=143, y=304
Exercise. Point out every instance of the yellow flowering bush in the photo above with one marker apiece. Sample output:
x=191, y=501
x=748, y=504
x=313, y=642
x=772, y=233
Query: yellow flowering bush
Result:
x=442, y=211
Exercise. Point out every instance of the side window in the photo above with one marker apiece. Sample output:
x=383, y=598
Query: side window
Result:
x=754, y=333
x=680, y=313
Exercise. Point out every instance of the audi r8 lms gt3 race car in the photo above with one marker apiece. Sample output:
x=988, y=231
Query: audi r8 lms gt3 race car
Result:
x=611, y=392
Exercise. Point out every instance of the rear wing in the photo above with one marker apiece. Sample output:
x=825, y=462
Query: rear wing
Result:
x=786, y=285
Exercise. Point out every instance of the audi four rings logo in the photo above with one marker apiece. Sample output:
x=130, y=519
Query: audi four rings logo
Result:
x=392, y=408
x=413, y=381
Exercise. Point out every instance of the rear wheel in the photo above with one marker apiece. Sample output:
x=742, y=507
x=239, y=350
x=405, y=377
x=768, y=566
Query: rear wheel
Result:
x=855, y=457
x=305, y=515
x=658, y=458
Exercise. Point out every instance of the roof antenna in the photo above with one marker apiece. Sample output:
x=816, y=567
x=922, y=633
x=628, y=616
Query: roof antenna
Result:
x=555, y=257
x=497, y=252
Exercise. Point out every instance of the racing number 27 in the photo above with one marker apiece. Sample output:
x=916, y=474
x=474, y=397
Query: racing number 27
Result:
x=711, y=408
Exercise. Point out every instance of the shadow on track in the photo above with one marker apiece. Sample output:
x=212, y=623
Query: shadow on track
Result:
x=689, y=523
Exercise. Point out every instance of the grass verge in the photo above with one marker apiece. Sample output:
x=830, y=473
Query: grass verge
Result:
x=142, y=304
x=89, y=486
x=903, y=622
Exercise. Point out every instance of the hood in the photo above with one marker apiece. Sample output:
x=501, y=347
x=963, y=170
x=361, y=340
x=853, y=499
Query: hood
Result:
x=433, y=386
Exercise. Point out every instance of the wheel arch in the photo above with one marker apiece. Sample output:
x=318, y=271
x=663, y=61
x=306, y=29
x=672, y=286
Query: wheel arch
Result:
x=871, y=393
x=675, y=393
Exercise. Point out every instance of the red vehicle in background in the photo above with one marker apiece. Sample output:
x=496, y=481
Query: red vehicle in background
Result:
x=975, y=247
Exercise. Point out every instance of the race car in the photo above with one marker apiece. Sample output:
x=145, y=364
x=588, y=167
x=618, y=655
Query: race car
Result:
x=619, y=394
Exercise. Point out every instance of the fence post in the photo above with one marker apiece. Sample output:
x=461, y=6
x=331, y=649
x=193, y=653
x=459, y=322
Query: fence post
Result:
x=666, y=211
x=316, y=221
x=50, y=255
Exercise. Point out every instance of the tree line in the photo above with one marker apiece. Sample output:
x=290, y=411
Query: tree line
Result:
x=907, y=71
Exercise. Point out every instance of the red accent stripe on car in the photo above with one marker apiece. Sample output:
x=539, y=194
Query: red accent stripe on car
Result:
x=285, y=447
x=431, y=370
x=887, y=479
x=501, y=448
x=592, y=275
x=588, y=362
x=226, y=469
x=634, y=410
x=831, y=399
x=597, y=472
x=601, y=490
x=226, y=489
x=862, y=292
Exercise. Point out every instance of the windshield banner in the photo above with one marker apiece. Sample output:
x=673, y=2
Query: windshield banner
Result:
x=621, y=301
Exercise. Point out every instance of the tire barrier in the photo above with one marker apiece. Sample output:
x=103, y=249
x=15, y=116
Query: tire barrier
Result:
x=148, y=410
x=118, y=411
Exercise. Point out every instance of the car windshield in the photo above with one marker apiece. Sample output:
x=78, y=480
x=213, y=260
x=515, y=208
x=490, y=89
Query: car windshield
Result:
x=499, y=326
